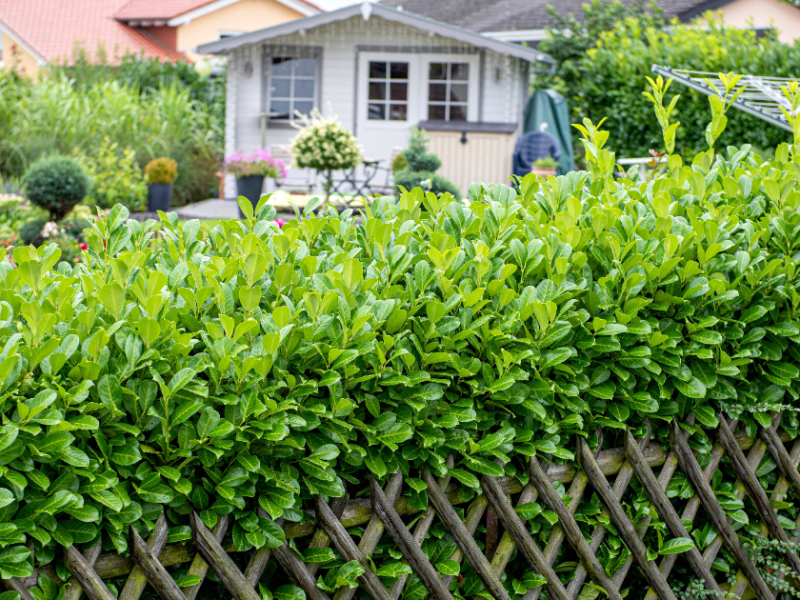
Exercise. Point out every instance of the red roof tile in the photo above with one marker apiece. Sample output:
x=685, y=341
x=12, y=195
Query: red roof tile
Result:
x=157, y=9
x=52, y=27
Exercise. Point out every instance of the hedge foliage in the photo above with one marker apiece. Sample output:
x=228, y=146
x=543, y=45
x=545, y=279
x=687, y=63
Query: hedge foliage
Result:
x=256, y=366
x=608, y=78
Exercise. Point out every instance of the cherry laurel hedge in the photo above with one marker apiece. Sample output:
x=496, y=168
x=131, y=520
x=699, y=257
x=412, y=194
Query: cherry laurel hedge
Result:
x=252, y=366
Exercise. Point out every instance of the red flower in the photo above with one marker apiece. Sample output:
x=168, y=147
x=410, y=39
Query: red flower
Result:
x=83, y=246
x=280, y=223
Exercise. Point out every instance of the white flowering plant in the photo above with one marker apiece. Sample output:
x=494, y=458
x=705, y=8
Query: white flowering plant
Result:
x=324, y=145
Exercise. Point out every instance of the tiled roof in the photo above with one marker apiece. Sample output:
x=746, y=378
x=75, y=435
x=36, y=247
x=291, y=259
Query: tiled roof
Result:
x=157, y=9
x=517, y=15
x=52, y=27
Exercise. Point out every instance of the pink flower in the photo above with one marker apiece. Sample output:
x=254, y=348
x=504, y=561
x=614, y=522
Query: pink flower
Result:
x=83, y=246
x=280, y=223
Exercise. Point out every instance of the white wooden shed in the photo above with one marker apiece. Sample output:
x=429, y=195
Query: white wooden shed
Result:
x=382, y=71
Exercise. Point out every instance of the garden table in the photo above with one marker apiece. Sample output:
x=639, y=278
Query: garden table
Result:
x=351, y=180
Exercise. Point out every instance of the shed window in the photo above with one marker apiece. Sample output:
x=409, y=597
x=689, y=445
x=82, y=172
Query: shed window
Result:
x=448, y=91
x=387, y=86
x=293, y=86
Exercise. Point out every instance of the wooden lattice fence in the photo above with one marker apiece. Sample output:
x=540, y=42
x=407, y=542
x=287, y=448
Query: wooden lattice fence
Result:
x=385, y=508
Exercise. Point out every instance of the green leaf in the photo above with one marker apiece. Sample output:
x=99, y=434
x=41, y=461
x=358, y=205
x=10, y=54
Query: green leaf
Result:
x=676, y=546
x=466, y=478
x=706, y=416
x=188, y=581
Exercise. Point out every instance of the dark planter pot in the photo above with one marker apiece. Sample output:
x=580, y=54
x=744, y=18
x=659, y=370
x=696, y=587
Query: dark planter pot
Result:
x=250, y=187
x=159, y=197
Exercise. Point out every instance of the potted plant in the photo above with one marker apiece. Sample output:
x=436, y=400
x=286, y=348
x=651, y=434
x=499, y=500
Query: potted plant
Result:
x=545, y=167
x=324, y=145
x=160, y=173
x=250, y=171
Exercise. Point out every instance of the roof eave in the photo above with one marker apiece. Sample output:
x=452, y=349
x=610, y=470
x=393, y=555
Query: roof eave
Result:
x=384, y=12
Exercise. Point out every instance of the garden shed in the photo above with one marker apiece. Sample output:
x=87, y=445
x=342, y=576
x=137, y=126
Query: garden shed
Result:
x=382, y=70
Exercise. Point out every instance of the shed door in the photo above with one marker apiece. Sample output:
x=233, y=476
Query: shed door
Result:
x=388, y=92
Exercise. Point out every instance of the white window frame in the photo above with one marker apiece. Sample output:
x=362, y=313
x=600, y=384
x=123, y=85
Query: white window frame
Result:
x=413, y=116
x=271, y=52
x=473, y=82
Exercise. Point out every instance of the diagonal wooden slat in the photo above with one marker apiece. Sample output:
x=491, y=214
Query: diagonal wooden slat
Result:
x=621, y=521
x=321, y=539
x=778, y=451
x=407, y=544
x=421, y=532
x=598, y=535
x=74, y=590
x=212, y=552
x=199, y=566
x=15, y=584
x=85, y=575
x=369, y=541
x=522, y=537
x=471, y=522
x=258, y=562
x=778, y=494
x=347, y=547
x=702, y=488
x=294, y=566
x=754, y=490
x=137, y=580
x=556, y=539
x=571, y=529
x=156, y=574
x=479, y=563
x=667, y=511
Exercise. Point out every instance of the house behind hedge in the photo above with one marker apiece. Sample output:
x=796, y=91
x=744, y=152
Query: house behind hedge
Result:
x=382, y=70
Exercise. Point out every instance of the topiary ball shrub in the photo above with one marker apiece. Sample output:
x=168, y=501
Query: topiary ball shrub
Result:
x=161, y=170
x=30, y=232
x=56, y=184
x=421, y=165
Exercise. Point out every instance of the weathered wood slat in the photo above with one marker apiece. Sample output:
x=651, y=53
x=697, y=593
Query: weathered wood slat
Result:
x=15, y=584
x=294, y=566
x=421, y=532
x=199, y=566
x=778, y=452
x=156, y=574
x=477, y=560
x=754, y=490
x=702, y=488
x=321, y=539
x=408, y=546
x=137, y=580
x=471, y=522
x=598, y=535
x=74, y=590
x=556, y=539
x=369, y=541
x=571, y=529
x=667, y=511
x=228, y=573
x=621, y=521
x=85, y=575
x=347, y=547
x=522, y=538
x=778, y=494
x=506, y=545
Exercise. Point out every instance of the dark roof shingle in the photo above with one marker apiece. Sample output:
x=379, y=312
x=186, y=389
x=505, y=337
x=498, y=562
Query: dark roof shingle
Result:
x=515, y=15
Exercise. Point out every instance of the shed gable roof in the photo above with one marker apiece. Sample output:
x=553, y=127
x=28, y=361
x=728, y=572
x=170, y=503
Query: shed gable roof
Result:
x=368, y=10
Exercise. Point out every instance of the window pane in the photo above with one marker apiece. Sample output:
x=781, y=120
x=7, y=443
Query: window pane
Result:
x=437, y=92
x=399, y=71
x=281, y=87
x=399, y=91
x=376, y=112
x=436, y=112
x=398, y=112
x=280, y=109
x=305, y=67
x=303, y=88
x=377, y=70
x=377, y=90
x=281, y=65
x=458, y=92
x=438, y=71
x=303, y=106
x=458, y=113
x=459, y=71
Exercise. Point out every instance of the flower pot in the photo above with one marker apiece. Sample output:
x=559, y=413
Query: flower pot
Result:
x=159, y=197
x=250, y=187
x=544, y=171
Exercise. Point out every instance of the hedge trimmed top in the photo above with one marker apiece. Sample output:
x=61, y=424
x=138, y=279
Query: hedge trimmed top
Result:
x=261, y=365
